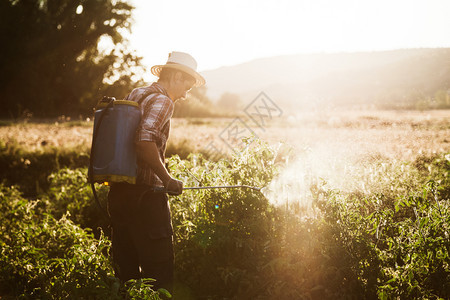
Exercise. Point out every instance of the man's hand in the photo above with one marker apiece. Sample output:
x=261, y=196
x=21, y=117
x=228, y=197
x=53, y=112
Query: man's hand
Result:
x=174, y=187
x=148, y=152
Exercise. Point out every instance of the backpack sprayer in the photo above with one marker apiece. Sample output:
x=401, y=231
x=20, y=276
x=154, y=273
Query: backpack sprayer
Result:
x=113, y=154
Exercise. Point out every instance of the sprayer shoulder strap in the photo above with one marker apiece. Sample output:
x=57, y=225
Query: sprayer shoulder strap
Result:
x=143, y=97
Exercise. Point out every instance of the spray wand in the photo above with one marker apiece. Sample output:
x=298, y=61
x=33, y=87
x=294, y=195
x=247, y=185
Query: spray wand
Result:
x=163, y=190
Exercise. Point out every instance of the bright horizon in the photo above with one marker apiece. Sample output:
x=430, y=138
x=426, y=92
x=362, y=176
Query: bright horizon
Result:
x=228, y=33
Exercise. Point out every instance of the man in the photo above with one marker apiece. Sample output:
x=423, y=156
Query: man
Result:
x=141, y=221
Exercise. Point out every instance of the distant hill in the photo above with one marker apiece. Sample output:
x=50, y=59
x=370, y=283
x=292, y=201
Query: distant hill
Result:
x=385, y=79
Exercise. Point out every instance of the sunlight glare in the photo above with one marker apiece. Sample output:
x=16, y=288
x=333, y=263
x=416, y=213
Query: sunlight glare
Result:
x=79, y=9
x=328, y=167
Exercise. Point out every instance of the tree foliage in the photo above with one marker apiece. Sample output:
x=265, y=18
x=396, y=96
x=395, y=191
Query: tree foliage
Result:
x=230, y=102
x=196, y=105
x=50, y=62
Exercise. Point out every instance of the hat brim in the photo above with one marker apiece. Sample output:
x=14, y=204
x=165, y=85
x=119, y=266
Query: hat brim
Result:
x=199, y=80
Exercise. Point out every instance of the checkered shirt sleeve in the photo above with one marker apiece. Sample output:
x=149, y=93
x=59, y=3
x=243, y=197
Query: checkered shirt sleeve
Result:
x=157, y=111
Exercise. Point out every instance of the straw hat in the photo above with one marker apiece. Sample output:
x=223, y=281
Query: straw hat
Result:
x=183, y=62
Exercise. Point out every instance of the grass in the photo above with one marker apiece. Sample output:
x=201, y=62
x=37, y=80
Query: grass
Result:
x=390, y=134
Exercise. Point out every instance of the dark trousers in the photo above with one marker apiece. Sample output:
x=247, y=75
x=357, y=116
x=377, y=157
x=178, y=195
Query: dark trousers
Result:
x=141, y=234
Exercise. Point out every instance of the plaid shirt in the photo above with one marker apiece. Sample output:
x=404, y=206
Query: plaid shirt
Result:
x=156, y=111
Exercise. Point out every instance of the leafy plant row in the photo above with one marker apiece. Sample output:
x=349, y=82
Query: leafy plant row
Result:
x=43, y=257
x=389, y=242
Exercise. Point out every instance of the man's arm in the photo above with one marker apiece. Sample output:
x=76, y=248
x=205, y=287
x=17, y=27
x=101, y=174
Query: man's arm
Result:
x=148, y=152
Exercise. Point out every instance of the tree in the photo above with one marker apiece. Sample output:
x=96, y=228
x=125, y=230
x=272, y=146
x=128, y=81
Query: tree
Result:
x=230, y=102
x=196, y=105
x=50, y=62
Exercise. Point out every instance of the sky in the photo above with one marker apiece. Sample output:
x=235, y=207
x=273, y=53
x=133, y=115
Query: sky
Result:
x=224, y=33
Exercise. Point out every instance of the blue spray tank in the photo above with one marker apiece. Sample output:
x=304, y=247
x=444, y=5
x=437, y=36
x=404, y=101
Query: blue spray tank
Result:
x=113, y=154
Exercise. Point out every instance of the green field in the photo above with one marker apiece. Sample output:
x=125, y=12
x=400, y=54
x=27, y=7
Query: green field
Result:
x=354, y=205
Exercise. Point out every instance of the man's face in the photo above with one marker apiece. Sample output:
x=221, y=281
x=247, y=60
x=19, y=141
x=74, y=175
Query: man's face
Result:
x=183, y=85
